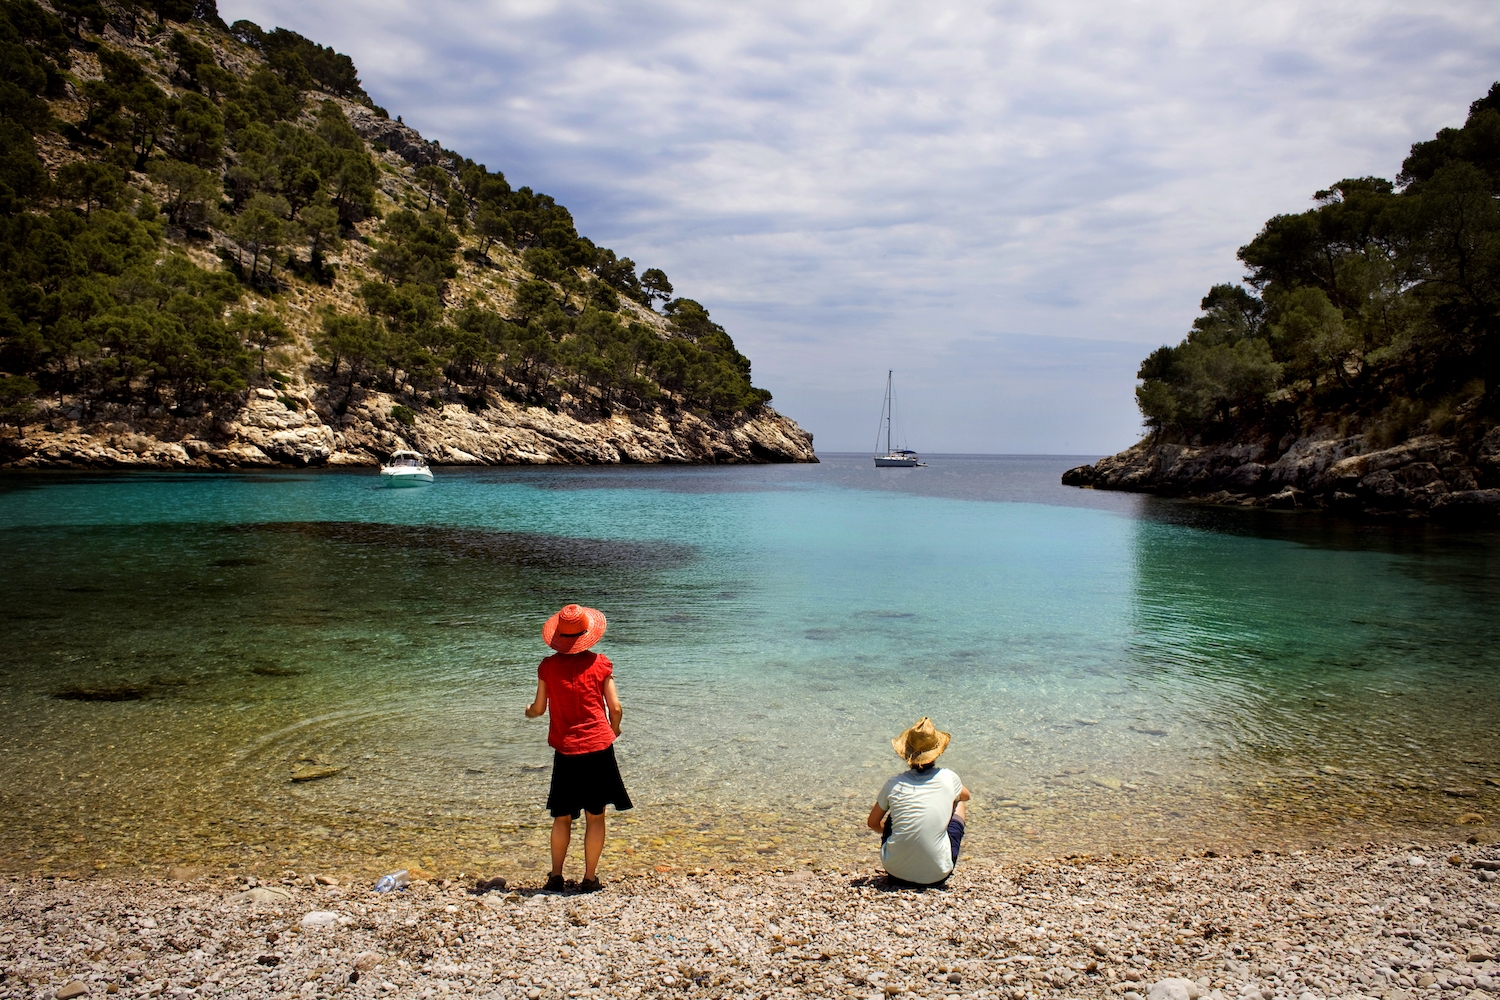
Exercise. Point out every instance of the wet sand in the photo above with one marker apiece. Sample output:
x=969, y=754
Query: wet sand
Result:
x=1397, y=922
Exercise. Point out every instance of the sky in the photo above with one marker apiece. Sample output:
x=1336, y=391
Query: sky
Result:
x=1010, y=204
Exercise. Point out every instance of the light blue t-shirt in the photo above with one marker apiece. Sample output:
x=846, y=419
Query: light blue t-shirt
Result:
x=919, y=805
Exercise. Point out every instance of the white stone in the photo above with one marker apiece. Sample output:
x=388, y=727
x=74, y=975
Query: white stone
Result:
x=320, y=918
x=1175, y=988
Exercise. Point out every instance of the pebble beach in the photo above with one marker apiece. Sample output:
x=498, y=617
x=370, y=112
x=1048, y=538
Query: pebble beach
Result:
x=1398, y=922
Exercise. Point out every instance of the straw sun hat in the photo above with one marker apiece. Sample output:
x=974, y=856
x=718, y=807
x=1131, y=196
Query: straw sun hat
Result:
x=573, y=629
x=921, y=744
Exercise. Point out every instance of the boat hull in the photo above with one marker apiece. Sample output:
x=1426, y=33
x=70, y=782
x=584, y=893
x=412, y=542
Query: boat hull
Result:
x=399, y=478
x=895, y=463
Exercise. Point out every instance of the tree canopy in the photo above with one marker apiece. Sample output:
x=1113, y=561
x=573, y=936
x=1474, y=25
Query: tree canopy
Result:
x=1379, y=306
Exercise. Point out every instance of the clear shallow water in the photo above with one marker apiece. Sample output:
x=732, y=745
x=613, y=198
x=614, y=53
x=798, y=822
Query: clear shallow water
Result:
x=1120, y=673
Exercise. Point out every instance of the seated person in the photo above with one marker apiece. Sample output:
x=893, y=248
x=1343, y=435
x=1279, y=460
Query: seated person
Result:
x=919, y=813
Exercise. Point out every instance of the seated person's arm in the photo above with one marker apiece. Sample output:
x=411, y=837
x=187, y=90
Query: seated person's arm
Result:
x=963, y=794
x=876, y=821
x=540, y=705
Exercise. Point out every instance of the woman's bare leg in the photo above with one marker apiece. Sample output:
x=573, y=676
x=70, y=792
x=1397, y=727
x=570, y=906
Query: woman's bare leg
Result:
x=593, y=843
x=562, y=835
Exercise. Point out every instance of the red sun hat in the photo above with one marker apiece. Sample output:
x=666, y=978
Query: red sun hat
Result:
x=573, y=629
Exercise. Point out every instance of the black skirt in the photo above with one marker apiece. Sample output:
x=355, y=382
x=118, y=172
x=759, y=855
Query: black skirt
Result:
x=586, y=782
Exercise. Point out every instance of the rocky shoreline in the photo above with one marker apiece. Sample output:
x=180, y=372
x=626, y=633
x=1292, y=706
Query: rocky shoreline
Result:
x=300, y=426
x=1444, y=478
x=1367, y=922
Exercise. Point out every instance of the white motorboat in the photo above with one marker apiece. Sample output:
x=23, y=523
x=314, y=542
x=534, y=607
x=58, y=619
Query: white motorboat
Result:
x=894, y=458
x=406, y=468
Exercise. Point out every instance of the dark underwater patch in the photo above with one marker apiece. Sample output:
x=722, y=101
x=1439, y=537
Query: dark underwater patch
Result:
x=104, y=692
x=508, y=548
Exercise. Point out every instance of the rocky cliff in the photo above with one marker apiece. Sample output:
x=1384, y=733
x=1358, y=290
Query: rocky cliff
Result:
x=275, y=273
x=301, y=426
x=1446, y=478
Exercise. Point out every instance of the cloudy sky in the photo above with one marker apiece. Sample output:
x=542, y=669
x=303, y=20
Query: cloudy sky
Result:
x=1009, y=203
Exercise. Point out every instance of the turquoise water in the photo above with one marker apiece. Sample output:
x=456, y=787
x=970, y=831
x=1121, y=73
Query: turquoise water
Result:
x=1119, y=673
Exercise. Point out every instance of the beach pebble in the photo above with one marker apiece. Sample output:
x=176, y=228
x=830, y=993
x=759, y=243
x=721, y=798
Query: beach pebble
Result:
x=1174, y=989
x=1416, y=861
x=320, y=918
x=261, y=894
x=76, y=988
x=766, y=933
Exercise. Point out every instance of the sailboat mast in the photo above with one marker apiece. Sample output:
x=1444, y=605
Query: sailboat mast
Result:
x=888, y=410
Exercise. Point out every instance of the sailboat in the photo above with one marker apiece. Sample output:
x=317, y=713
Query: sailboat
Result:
x=894, y=458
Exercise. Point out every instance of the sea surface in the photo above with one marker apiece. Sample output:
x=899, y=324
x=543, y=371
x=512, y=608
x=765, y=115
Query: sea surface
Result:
x=1121, y=674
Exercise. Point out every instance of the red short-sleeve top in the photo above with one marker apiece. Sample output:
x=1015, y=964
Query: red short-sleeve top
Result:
x=577, y=720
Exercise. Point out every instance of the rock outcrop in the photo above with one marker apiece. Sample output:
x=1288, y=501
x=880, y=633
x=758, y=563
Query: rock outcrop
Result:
x=1434, y=476
x=302, y=427
x=401, y=139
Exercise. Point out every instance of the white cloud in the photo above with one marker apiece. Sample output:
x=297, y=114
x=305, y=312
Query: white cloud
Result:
x=972, y=193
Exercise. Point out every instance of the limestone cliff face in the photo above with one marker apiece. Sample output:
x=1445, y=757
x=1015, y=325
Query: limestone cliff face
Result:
x=301, y=427
x=1447, y=478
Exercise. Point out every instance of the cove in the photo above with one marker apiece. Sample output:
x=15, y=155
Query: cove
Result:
x=1120, y=673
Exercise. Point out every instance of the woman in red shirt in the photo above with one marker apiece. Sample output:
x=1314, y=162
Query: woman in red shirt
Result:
x=579, y=689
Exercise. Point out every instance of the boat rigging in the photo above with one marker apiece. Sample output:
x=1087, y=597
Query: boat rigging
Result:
x=894, y=458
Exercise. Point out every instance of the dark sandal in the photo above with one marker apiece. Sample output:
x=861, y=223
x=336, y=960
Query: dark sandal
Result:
x=554, y=884
x=590, y=885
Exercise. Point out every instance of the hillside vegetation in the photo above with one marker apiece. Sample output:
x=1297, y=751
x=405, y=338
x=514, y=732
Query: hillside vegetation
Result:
x=1359, y=371
x=191, y=211
x=1376, y=311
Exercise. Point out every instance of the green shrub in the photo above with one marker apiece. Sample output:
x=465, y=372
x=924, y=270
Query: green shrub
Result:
x=404, y=415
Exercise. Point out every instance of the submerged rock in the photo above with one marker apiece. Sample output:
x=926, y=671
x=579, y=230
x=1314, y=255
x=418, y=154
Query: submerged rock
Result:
x=313, y=772
x=108, y=692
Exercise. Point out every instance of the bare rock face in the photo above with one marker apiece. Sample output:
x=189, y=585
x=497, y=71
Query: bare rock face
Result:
x=403, y=140
x=1430, y=475
x=302, y=428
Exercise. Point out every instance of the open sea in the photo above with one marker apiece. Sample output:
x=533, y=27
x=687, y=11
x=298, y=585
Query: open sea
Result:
x=1121, y=674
